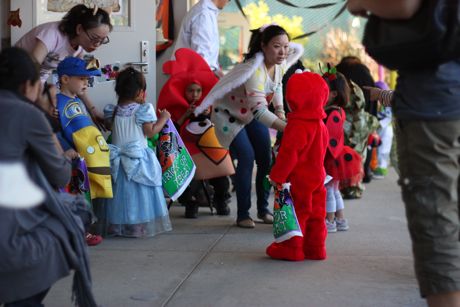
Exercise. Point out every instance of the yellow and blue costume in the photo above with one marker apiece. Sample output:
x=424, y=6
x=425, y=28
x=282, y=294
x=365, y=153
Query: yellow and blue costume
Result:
x=80, y=132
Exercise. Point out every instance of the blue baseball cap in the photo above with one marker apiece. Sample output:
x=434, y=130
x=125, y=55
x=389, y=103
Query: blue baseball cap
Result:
x=72, y=66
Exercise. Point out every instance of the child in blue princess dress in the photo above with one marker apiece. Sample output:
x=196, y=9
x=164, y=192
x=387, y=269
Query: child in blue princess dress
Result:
x=138, y=207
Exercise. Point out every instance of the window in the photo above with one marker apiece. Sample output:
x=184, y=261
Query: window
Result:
x=54, y=10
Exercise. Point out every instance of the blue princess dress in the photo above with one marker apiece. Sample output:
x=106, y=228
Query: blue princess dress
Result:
x=138, y=207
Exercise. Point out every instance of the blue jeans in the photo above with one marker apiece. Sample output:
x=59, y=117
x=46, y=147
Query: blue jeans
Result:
x=251, y=143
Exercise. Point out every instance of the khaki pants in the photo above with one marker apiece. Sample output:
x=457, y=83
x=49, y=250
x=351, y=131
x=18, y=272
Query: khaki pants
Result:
x=429, y=153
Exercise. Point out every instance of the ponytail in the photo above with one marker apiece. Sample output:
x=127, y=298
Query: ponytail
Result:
x=262, y=35
x=88, y=18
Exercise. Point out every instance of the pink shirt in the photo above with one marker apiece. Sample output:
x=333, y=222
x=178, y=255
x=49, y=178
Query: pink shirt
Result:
x=56, y=42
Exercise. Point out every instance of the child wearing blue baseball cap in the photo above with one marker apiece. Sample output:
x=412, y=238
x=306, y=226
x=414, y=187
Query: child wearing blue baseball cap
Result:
x=74, y=74
x=80, y=137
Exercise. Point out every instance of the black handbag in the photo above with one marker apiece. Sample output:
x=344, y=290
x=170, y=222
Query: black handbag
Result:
x=429, y=38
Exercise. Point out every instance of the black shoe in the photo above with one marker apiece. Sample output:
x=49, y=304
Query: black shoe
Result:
x=222, y=209
x=228, y=197
x=367, y=178
x=191, y=211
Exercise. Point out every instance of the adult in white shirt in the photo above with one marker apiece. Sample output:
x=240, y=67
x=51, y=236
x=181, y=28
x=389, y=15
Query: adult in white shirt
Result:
x=199, y=32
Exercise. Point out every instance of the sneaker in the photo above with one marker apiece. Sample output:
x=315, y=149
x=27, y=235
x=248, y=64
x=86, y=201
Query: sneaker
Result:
x=246, y=223
x=267, y=218
x=342, y=224
x=92, y=240
x=331, y=226
x=380, y=173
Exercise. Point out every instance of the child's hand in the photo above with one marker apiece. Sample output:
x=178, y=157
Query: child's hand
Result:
x=207, y=111
x=71, y=154
x=164, y=114
x=191, y=109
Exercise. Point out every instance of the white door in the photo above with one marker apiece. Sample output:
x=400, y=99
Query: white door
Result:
x=126, y=42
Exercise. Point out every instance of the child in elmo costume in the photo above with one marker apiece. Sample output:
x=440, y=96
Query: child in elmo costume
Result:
x=300, y=161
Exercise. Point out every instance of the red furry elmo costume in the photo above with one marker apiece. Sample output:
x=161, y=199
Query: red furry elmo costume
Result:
x=300, y=161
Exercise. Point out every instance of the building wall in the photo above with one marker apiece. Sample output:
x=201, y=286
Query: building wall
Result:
x=4, y=28
x=180, y=10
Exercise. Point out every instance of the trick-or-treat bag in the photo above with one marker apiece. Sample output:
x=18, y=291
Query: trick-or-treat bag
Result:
x=285, y=223
x=176, y=163
x=79, y=181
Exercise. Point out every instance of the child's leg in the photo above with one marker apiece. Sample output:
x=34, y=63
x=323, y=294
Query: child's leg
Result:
x=338, y=201
x=331, y=207
x=315, y=232
x=292, y=249
x=384, y=149
x=341, y=222
x=188, y=199
x=221, y=195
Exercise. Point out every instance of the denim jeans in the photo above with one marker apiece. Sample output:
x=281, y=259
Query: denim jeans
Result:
x=251, y=143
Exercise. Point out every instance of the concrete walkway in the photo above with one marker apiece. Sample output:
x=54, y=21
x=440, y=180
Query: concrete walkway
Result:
x=210, y=262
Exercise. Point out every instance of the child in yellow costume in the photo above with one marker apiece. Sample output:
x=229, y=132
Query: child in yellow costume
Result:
x=78, y=131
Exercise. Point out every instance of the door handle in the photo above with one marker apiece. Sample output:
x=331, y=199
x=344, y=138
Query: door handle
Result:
x=143, y=66
x=138, y=63
x=144, y=62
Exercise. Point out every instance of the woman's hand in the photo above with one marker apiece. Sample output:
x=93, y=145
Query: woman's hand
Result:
x=278, y=125
x=374, y=92
x=385, y=97
x=272, y=182
x=281, y=115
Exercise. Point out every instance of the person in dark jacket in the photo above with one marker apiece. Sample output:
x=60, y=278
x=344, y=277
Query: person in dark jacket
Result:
x=38, y=245
x=427, y=111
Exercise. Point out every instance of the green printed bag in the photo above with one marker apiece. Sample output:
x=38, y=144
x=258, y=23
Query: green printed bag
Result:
x=285, y=223
x=176, y=163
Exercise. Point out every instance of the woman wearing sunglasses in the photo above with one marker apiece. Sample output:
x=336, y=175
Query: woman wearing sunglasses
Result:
x=81, y=30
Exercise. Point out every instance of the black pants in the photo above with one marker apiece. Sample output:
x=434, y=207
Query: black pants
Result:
x=220, y=186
